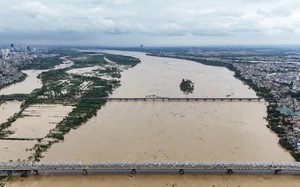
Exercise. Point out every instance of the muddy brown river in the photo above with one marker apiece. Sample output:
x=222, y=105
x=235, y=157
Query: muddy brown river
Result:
x=185, y=131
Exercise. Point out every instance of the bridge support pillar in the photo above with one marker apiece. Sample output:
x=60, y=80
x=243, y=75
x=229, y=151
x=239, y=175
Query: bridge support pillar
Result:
x=25, y=174
x=229, y=171
x=36, y=172
x=9, y=173
x=181, y=171
x=85, y=172
x=277, y=171
x=133, y=171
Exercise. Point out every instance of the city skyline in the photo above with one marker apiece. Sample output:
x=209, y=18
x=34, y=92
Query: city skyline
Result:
x=151, y=23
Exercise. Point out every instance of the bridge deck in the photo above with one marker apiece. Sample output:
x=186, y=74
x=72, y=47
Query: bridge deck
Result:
x=148, y=99
x=185, y=99
x=10, y=167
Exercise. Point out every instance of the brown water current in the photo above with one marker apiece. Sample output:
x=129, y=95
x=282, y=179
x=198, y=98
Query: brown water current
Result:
x=25, y=87
x=32, y=82
x=183, y=131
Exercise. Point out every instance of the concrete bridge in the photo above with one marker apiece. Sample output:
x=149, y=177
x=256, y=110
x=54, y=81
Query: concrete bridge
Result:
x=26, y=168
x=147, y=98
x=186, y=99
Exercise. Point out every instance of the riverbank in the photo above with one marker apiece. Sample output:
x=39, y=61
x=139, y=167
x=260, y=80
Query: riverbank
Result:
x=275, y=118
x=144, y=131
x=153, y=131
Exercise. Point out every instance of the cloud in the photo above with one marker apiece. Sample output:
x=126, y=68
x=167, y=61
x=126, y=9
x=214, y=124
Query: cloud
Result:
x=155, y=21
x=282, y=10
x=35, y=8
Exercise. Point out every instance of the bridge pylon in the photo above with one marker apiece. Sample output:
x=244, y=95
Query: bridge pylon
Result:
x=181, y=171
x=278, y=171
x=133, y=171
x=85, y=172
x=35, y=172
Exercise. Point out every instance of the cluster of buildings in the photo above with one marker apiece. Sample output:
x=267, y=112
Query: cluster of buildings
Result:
x=10, y=58
x=9, y=74
x=7, y=51
x=283, y=81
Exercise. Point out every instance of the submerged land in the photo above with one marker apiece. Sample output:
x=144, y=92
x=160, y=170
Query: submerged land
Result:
x=69, y=79
x=60, y=87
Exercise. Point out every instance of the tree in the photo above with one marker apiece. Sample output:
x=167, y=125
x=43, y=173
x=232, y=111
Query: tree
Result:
x=186, y=86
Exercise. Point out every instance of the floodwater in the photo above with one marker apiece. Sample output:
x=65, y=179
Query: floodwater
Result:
x=8, y=109
x=32, y=82
x=25, y=87
x=162, y=76
x=12, y=149
x=38, y=120
x=192, y=131
x=66, y=63
x=139, y=131
x=15, y=150
x=158, y=181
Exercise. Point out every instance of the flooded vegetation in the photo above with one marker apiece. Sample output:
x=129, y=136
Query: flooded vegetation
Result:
x=8, y=109
x=37, y=120
x=69, y=92
x=30, y=83
x=143, y=131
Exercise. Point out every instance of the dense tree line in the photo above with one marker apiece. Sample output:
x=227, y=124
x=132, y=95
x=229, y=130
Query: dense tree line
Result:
x=41, y=63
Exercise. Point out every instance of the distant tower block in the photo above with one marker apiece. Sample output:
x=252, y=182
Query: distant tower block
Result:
x=141, y=45
x=12, y=45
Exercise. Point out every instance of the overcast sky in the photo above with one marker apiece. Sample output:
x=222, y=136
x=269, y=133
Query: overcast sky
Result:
x=149, y=22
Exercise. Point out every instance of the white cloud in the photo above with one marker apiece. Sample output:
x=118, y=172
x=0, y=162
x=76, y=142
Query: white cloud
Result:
x=153, y=20
x=35, y=8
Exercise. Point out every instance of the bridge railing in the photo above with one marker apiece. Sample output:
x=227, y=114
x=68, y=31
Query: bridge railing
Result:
x=295, y=166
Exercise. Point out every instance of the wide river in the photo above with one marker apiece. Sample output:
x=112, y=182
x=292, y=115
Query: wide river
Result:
x=185, y=131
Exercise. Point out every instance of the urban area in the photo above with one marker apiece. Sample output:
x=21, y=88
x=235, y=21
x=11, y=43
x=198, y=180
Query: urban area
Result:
x=10, y=59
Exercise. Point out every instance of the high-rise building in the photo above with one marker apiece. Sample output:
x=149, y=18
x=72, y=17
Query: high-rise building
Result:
x=12, y=45
x=4, y=52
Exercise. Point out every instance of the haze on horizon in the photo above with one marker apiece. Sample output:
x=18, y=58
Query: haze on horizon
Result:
x=151, y=22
